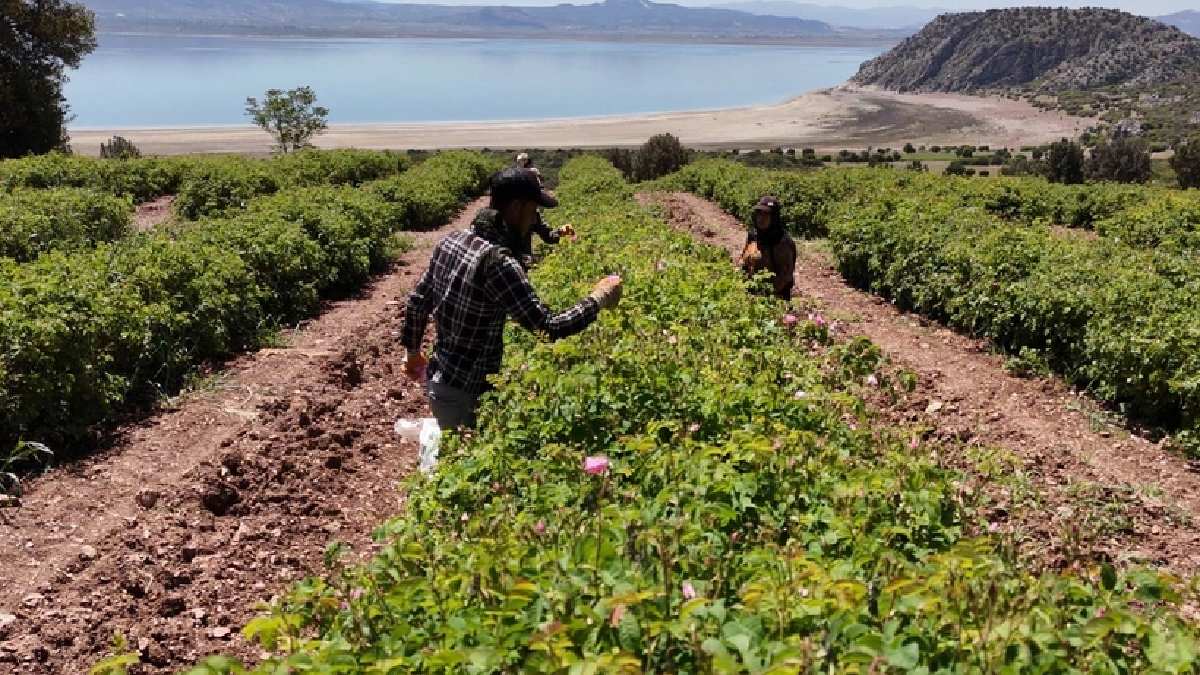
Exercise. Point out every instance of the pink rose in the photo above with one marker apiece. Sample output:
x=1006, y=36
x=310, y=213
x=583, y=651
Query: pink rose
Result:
x=790, y=320
x=689, y=592
x=539, y=528
x=596, y=465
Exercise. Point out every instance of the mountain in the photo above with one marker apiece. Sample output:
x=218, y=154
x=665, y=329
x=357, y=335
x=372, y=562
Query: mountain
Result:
x=1187, y=21
x=1043, y=49
x=876, y=18
x=327, y=17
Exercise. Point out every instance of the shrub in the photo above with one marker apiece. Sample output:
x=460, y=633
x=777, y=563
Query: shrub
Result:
x=1186, y=163
x=1064, y=163
x=661, y=155
x=1123, y=159
x=119, y=148
x=34, y=221
x=909, y=149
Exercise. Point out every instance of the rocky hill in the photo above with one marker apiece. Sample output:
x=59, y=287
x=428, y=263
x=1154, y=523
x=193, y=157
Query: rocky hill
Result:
x=1039, y=49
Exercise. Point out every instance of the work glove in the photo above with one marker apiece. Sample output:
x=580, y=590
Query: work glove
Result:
x=566, y=231
x=607, y=292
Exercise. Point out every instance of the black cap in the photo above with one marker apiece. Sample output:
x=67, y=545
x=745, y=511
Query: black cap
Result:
x=515, y=183
x=767, y=203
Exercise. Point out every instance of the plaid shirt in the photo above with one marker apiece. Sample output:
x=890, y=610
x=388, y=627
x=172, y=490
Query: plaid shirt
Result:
x=471, y=286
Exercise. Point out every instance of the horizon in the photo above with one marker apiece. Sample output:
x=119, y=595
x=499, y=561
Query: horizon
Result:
x=1145, y=8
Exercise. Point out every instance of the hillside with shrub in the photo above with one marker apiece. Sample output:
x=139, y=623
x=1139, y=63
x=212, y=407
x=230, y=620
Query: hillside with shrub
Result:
x=1129, y=70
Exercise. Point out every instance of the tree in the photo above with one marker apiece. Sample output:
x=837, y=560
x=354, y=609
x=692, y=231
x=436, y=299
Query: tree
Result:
x=909, y=149
x=39, y=40
x=292, y=117
x=659, y=156
x=1064, y=162
x=1186, y=163
x=1123, y=159
x=119, y=148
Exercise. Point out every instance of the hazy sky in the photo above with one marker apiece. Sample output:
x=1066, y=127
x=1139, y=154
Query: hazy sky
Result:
x=1148, y=7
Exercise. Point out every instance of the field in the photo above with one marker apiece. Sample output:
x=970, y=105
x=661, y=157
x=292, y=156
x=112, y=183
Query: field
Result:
x=760, y=498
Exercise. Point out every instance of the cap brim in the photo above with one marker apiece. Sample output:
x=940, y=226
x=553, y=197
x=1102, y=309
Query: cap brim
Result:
x=761, y=207
x=547, y=201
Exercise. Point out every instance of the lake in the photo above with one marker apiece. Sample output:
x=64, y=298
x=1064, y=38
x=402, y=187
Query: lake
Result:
x=163, y=81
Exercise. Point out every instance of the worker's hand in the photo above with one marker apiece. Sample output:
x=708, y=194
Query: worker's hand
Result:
x=567, y=231
x=415, y=365
x=751, y=258
x=607, y=292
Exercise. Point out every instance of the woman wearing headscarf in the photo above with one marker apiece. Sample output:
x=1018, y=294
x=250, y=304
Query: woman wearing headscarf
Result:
x=769, y=248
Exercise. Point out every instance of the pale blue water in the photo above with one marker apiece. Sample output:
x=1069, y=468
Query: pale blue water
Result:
x=132, y=81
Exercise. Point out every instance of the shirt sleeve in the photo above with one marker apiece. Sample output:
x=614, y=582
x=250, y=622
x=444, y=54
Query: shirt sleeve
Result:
x=510, y=287
x=420, y=306
x=543, y=230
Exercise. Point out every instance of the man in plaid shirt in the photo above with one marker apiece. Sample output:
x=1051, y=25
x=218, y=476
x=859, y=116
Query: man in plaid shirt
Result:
x=473, y=283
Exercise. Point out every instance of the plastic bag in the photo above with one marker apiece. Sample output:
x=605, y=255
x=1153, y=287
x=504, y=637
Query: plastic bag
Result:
x=427, y=434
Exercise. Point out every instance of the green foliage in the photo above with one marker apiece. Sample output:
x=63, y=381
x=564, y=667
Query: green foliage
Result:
x=119, y=148
x=660, y=155
x=40, y=40
x=424, y=197
x=85, y=334
x=140, y=179
x=291, y=117
x=214, y=186
x=1123, y=159
x=1186, y=163
x=753, y=519
x=1064, y=162
x=33, y=221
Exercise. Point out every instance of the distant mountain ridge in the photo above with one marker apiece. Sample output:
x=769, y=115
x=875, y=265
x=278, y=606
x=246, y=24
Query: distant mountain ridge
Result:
x=615, y=17
x=1187, y=21
x=874, y=18
x=1050, y=50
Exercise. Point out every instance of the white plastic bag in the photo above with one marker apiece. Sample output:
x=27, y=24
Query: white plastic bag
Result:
x=425, y=432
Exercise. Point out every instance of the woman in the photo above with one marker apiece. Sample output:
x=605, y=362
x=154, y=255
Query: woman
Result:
x=769, y=248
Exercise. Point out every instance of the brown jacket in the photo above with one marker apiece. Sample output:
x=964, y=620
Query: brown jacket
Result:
x=780, y=261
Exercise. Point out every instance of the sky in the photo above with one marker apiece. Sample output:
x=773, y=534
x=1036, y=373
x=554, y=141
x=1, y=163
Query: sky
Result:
x=1146, y=7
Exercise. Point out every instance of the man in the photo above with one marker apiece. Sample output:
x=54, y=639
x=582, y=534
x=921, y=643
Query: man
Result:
x=769, y=248
x=473, y=283
x=540, y=228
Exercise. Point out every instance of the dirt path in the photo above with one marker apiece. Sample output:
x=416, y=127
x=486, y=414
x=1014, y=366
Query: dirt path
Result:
x=1100, y=491
x=151, y=214
x=174, y=535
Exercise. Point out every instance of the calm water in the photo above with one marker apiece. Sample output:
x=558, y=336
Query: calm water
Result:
x=172, y=81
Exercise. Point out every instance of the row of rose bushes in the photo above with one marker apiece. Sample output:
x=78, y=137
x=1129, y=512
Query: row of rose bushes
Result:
x=206, y=185
x=1118, y=315
x=1139, y=215
x=34, y=221
x=693, y=486
x=63, y=201
x=86, y=334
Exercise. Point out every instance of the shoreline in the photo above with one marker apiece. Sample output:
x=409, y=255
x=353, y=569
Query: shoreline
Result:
x=846, y=116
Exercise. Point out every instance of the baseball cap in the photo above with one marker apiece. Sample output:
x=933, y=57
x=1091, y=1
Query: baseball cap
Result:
x=767, y=203
x=514, y=183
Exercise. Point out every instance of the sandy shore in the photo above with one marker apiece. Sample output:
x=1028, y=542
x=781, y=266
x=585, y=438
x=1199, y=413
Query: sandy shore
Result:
x=843, y=117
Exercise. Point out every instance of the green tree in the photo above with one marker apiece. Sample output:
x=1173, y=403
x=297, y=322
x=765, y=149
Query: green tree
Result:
x=1064, y=162
x=291, y=117
x=1186, y=163
x=39, y=40
x=1123, y=159
x=909, y=149
x=659, y=156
